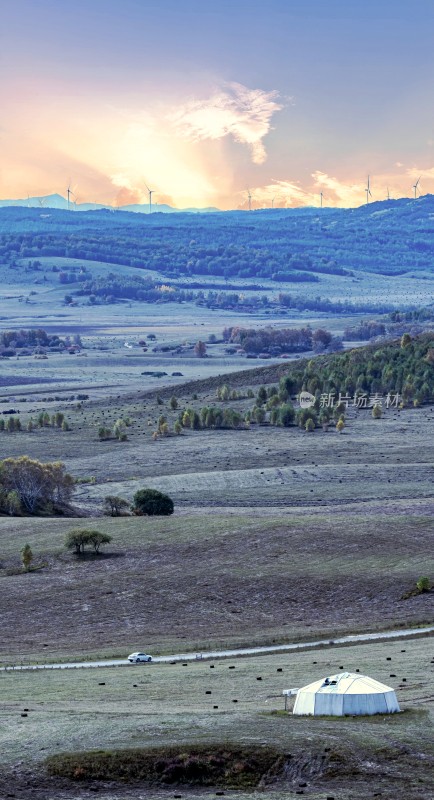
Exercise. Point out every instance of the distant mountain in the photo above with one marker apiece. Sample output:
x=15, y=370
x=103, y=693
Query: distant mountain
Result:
x=57, y=201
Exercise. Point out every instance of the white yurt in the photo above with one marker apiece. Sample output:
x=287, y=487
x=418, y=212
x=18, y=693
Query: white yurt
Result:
x=345, y=693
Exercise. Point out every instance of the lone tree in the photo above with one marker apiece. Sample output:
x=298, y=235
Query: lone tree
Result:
x=340, y=425
x=150, y=503
x=26, y=557
x=78, y=539
x=114, y=505
x=200, y=349
x=377, y=412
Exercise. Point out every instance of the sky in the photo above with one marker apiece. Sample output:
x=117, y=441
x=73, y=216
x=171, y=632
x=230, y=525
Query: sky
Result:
x=206, y=101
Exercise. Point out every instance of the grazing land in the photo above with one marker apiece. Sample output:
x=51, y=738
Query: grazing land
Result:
x=279, y=534
x=214, y=580
x=149, y=706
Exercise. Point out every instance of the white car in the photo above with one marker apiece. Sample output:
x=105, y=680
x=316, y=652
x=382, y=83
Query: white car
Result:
x=138, y=658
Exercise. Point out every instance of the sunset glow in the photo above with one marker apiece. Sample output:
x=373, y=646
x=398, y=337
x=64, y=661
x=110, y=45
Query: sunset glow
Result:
x=203, y=103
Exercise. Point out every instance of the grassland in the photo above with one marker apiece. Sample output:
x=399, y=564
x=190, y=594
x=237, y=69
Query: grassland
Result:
x=146, y=706
x=212, y=580
x=278, y=535
x=387, y=460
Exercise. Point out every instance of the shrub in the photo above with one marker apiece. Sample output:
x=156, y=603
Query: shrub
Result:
x=104, y=433
x=26, y=557
x=119, y=430
x=423, y=584
x=150, y=502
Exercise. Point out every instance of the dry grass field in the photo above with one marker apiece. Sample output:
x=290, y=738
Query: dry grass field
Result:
x=278, y=535
x=386, y=460
x=155, y=705
x=212, y=580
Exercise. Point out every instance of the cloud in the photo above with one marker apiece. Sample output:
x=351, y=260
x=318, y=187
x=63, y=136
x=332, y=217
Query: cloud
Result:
x=340, y=193
x=415, y=172
x=280, y=194
x=128, y=197
x=350, y=195
x=245, y=114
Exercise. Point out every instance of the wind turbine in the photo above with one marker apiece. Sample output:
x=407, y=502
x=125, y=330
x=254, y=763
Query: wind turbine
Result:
x=150, y=193
x=415, y=187
x=272, y=202
x=368, y=191
x=69, y=192
x=321, y=198
x=249, y=197
x=388, y=193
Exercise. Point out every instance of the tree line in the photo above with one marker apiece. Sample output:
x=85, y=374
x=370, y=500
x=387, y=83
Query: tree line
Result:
x=260, y=244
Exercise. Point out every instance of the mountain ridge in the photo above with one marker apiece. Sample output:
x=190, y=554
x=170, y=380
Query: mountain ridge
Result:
x=59, y=202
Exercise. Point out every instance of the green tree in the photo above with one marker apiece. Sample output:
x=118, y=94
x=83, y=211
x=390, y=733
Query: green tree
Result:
x=173, y=403
x=114, y=505
x=119, y=430
x=258, y=414
x=340, y=425
x=405, y=340
x=286, y=415
x=104, y=433
x=150, y=502
x=261, y=397
x=177, y=427
x=97, y=539
x=162, y=420
x=303, y=414
x=26, y=557
x=78, y=539
x=223, y=392
x=377, y=412
x=310, y=425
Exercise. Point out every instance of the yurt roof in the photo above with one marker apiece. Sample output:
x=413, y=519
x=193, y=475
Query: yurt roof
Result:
x=347, y=683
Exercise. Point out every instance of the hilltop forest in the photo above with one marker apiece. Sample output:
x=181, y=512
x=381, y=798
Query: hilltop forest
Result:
x=389, y=237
